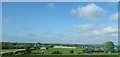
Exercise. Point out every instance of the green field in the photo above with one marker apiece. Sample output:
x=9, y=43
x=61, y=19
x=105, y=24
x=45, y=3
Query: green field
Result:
x=9, y=50
x=65, y=51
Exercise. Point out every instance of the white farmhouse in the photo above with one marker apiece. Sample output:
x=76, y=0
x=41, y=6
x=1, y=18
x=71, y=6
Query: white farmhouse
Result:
x=43, y=48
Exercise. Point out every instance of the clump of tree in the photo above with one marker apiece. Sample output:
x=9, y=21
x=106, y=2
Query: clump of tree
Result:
x=28, y=50
x=15, y=45
x=56, y=52
x=118, y=48
x=36, y=47
x=109, y=47
x=86, y=50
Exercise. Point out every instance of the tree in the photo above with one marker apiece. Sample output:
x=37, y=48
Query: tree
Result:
x=28, y=50
x=72, y=51
x=87, y=50
x=109, y=47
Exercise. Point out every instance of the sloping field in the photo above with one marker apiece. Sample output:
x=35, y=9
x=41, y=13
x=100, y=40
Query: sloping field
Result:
x=10, y=50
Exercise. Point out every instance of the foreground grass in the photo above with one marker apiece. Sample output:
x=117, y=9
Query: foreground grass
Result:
x=62, y=56
x=65, y=53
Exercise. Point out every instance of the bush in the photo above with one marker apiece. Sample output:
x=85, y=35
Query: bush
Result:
x=47, y=48
x=19, y=52
x=56, y=52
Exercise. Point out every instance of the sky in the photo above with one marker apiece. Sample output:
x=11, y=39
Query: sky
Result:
x=60, y=22
x=60, y=0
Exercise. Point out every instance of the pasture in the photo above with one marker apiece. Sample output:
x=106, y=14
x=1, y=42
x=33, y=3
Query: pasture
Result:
x=64, y=51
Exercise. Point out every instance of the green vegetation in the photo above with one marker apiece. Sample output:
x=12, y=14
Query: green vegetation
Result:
x=108, y=49
x=64, y=51
x=27, y=50
x=62, y=56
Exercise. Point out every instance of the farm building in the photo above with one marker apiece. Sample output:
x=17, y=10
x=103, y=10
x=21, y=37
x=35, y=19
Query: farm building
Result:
x=43, y=48
x=64, y=47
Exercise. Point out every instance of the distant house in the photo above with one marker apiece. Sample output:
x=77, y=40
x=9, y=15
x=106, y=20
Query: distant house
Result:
x=115, y=48
x=43, y=48
x=64, y=47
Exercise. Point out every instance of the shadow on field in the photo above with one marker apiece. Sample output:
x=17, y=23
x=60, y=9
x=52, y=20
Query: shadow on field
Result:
x=62, y=56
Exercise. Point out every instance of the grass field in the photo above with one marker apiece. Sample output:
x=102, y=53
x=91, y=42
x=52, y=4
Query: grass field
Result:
x=9, y=50
x=65, y=51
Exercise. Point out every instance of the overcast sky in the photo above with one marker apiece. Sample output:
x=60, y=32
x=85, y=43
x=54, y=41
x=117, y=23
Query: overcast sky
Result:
x=61, y=22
